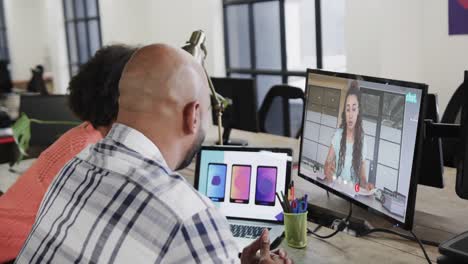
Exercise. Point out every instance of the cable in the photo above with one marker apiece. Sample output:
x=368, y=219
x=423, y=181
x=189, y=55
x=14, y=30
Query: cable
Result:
x=317, y=228
x=422, y=247
x=344, y=223
x=414, y=238
x=341, y=226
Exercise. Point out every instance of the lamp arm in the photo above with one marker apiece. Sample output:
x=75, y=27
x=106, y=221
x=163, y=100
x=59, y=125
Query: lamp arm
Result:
x=219, y=108
x=196, y=47
x=212, y=89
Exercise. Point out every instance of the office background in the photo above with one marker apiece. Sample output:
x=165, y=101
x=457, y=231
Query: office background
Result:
x=398, y=39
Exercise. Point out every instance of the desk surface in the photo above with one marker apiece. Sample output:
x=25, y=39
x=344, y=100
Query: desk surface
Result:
x=440, y=214
x=435, y=219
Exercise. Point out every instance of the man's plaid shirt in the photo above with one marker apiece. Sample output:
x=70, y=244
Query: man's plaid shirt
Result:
x=118, y=202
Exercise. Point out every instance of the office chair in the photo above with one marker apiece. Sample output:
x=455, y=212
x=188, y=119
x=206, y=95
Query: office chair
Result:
x=281, y=111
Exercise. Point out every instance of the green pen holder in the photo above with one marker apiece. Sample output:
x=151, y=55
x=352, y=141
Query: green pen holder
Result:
x=295, y=229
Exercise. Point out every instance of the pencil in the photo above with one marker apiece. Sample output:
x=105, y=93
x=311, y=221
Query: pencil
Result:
x=286, y=203
x=281, y=202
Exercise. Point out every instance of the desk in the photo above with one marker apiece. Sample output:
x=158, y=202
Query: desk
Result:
x=435, y=219
x=440, y=214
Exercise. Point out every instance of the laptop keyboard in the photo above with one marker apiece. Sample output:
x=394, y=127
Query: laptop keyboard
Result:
x=246, y=231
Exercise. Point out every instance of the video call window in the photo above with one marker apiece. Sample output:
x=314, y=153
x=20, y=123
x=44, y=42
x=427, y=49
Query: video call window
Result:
x=382, y=114
x=359, y=139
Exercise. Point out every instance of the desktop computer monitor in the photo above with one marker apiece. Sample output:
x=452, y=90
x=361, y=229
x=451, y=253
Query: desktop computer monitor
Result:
x=48, y=108
x=433, y=170
x=362, y=140
x=452, y=115
x=454, y=131
x=242, y=113
x=461, y=186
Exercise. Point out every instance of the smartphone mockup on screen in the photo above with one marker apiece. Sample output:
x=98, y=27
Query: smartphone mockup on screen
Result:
x=240, y=183
x=266, y=185
x=216, y=183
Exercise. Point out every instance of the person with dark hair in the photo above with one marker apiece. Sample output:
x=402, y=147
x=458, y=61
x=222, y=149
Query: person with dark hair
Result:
x=94, y=91
x=94, y=99
x=346, y=157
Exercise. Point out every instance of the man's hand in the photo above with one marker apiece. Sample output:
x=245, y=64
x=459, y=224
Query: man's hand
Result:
x=249, y=254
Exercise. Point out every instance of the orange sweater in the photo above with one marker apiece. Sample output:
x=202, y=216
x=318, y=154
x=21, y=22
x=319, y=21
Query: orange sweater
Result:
x=19, y=205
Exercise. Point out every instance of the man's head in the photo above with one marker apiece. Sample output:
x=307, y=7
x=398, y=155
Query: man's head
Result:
x=94, y=91
x=164, y=94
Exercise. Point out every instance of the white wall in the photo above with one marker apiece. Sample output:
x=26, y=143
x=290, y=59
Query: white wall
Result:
x=445, y=57
x=25, y=33
x=56, y=44
x=396, y=39
x=124, y=21
x=406, y=40
x=36, y=33
x=182, y=17
x=171, y=22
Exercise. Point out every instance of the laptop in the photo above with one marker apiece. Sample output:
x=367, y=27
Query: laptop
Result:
x=242, y=183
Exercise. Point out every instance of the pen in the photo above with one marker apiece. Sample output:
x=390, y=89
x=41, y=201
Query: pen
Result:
x=294, y=206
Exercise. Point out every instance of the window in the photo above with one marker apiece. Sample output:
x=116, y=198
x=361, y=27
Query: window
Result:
x=275, y=41
x=83, y=30
x=321, y=123
x=4, y=53
x=383, y=125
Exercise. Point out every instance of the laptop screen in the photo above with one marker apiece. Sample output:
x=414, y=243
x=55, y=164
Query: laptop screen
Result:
x=242, y=182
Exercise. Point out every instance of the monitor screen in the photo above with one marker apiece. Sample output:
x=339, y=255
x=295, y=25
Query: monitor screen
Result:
x=48, y=108
x=242, y=182
x=360, y=140
x=242, y=112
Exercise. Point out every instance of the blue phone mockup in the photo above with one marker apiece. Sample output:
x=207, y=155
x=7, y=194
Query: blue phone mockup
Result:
x=216, y=181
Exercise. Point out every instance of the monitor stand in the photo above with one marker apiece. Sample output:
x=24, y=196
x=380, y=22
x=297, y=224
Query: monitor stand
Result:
x=325, y=217
x=231, y=142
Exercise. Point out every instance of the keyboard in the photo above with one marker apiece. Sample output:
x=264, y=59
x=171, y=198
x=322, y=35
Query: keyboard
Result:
x=245, y=231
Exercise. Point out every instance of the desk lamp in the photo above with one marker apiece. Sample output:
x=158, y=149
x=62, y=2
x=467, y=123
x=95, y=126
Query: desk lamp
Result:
x=196, y=46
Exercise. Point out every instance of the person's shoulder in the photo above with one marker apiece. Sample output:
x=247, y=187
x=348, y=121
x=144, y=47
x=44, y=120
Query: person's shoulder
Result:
x=167, y=190
x=84, y=134
x=66, y=147
x=337, y=135
x=75, y=140
x=183, y=199
x=339, y=131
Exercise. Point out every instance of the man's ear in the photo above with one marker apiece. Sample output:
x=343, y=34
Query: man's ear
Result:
x=191, y=117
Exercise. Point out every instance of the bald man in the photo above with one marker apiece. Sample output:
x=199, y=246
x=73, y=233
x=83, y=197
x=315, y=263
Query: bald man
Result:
x=121, y=201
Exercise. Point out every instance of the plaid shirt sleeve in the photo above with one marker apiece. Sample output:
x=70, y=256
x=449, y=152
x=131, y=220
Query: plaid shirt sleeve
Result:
x=203, y=238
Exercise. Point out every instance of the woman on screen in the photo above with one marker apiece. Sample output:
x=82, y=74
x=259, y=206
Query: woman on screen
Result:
x=346, y=156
